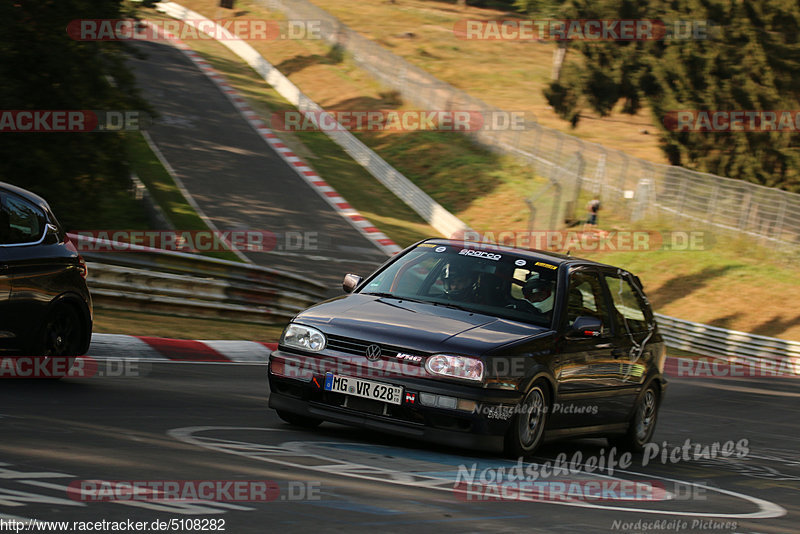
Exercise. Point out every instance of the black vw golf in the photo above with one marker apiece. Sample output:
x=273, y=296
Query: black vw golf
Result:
x=477, y=346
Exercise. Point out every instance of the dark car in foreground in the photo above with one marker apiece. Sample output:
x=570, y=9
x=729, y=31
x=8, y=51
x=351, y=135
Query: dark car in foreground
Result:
x=46, y=306
x=478, y=346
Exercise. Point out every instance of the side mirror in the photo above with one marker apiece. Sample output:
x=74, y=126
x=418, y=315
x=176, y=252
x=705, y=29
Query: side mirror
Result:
x=351, y=282
x=586, y=326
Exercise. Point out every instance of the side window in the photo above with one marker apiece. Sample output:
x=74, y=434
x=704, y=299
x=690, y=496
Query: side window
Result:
x=627, y=306
x=585, y=296
x=20, y=221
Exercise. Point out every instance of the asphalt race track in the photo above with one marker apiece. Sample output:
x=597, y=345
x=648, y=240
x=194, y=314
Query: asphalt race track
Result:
x=206, y=422
x=235, y=177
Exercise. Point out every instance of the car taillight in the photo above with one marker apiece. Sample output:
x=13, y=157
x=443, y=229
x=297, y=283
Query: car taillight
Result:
x=82, y=268
x=69, y=244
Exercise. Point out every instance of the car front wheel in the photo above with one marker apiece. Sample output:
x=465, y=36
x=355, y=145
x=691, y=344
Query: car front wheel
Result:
x=527, y=426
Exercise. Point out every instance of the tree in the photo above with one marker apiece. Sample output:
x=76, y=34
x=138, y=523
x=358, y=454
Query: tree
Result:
x=549, y=9
x=42, y=68
x=749, y=60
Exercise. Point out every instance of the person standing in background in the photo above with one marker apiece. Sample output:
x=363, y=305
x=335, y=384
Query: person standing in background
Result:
x=592, y=207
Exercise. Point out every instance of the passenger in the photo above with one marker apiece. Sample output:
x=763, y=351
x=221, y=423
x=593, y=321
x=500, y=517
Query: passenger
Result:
x=540, y=294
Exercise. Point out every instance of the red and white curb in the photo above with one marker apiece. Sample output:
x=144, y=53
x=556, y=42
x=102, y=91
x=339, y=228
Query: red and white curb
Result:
x=116, y=346
x=336, y=201
x=138, y=348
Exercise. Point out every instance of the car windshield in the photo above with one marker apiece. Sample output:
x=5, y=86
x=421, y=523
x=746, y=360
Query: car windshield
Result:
x=479, y=280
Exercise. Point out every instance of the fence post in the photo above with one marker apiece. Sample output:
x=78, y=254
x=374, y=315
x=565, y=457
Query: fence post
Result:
x=623, y=173
x=712, y=205
x=744, y=215
x=578, y=184
x=681, y=197
x=644, y=194
x=556, y=207
x=781, y=216
x=557, y=159
x=600, y=174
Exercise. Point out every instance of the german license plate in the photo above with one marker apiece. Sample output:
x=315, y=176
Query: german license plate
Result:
x=366, y=389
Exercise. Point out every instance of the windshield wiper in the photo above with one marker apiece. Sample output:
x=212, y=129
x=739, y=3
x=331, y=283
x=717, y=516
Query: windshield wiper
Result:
x=392, y=296
x=423, y=301
x=450, y=305
x=398, y=297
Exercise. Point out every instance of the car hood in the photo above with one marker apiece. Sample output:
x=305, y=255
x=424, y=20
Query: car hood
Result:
x=415, y=326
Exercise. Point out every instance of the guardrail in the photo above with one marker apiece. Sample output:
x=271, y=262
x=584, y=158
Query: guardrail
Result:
x=729, y=345
x=133, y=277
x=185, y=285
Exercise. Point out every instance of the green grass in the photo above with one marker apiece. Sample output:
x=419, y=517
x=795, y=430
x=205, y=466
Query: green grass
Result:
x=119, y=209
x=734, y=284
x=143, y=324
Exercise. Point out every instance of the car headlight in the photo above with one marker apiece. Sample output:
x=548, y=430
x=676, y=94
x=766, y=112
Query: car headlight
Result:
x=455, y=367
x=303, y=337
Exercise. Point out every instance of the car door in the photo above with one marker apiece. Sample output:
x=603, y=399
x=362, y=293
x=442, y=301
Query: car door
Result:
x=632, y=325
x=585, y=364
x=6, y=335
x=28, y=263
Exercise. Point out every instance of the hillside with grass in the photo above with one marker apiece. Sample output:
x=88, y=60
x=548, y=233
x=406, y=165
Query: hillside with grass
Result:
x=730, y=282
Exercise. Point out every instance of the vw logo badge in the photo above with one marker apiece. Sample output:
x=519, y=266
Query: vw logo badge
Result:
x=374, y=353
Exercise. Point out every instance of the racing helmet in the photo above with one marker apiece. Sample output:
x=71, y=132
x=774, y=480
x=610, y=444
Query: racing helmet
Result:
x=456, y=277
x=537, y=289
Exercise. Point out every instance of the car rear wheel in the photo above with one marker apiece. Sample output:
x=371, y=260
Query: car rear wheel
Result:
x=61, y=339
x=642, y=425
x=299, y=420
x=527, y=426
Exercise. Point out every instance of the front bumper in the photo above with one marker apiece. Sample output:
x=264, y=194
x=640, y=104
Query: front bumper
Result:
x=484, y=427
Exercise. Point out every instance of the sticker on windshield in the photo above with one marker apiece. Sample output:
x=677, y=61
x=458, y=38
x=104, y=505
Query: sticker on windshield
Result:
x=520, y=263
x=426, y=245
x=480, y=254
x=546, y=265
x=440, y=249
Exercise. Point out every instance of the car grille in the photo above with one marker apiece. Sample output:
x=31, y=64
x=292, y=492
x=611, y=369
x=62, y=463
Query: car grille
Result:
x=359, y=347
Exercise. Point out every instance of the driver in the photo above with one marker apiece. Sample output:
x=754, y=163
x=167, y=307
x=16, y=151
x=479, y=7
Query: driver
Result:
x=459, y=282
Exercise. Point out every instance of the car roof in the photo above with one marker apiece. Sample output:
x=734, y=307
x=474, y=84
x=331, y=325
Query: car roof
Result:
x=540, y=255
x=27, y=195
